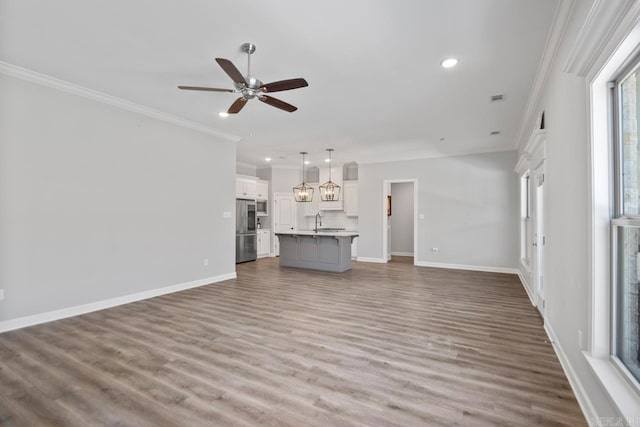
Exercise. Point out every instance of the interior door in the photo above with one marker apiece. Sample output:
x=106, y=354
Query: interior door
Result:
x=284, y=215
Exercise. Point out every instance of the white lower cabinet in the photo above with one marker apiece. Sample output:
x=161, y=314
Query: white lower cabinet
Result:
x=264, y=243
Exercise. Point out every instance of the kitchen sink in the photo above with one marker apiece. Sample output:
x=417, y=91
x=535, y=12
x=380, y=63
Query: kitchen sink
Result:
x=329, y=229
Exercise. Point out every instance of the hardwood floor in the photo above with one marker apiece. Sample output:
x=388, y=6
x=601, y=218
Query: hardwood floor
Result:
x=380, y=345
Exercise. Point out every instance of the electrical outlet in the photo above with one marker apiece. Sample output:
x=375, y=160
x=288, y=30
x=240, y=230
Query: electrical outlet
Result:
x=421, y=216
x=580, y=342
x=205, y=262
x=227, y=214
x=1, y=294
x=435, y=250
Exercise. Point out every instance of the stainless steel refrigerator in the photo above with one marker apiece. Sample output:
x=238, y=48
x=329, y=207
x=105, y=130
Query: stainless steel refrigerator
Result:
x=246, y=235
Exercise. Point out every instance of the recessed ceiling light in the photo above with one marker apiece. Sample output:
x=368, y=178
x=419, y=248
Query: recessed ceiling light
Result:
x=267, y=159
x=306, y=162
x=223, y=114
x=450, y=62
x=442, y=139
x=327, y=160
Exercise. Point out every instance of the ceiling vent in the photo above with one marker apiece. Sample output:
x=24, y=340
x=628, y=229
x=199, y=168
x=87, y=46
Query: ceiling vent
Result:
x=496, y=98
x=495, y=132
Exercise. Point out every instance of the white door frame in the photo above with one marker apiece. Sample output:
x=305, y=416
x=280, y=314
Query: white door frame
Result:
x=386, y=190
x=539, y=238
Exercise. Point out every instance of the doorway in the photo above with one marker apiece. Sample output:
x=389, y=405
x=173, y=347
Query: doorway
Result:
x=539, y=239
x=399, y=221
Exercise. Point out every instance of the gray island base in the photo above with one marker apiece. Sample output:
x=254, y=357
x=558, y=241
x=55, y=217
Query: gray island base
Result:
x=316, y=251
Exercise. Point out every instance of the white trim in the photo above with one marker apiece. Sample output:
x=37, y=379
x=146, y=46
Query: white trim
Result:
x=607, y=23
x=525, y=285
x=386, y=186
x=556, y=33
x=585, y=403
x=536, y=142
x=507, y=270
x=495, y=149
x=44, y=80
x=367, y=259
x=401, y=253
x=49, y=316
x=624, y=396
x=523, y=164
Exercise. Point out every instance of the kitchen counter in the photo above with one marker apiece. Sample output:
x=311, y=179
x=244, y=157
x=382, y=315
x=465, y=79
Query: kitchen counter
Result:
x=322, y=250
x=342, y=233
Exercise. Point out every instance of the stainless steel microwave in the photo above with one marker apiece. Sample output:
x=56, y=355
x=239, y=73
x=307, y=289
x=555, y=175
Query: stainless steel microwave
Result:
x=262, y=207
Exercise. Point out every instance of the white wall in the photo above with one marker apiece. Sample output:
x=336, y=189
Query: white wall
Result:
x=97, y=202
x=566, y=104
x=402, y=218
x=470, y=204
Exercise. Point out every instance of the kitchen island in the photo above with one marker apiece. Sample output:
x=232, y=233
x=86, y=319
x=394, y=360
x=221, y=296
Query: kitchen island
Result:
x=321, y=250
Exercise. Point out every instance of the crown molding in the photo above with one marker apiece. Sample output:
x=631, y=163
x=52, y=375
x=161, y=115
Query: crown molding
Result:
x=535, y=141
x=523, y=164
x=605, y=27
x=44, y=80
x=489, y=150
x=558, y=27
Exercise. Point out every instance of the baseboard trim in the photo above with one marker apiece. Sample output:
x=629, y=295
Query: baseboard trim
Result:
x=402, y=253
x=367, y=259
x=488, y=269
x=588, y=410
x=36, y=319
x=525, y=285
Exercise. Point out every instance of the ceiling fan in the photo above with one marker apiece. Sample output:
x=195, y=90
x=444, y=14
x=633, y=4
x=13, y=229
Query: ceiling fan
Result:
x=250, y=87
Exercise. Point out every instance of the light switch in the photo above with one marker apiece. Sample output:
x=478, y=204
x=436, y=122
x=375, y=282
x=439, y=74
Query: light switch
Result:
x=227, y=215
x=421, y=216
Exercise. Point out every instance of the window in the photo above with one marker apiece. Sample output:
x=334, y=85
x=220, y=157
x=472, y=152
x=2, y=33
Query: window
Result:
x=525, y=219
x=626, y=225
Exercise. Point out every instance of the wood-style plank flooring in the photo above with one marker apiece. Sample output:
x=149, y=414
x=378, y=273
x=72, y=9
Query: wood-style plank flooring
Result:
x=380, y=345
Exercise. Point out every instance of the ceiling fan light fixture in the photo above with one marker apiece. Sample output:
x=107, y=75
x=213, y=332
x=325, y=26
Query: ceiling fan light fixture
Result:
x=303, y=192
x=329, y=191
x=223, y=114
x=449, y=63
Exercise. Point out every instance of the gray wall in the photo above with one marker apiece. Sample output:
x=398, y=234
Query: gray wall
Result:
x=470, y=204
x=97, y=202
x=402, y=217
x=566, y=105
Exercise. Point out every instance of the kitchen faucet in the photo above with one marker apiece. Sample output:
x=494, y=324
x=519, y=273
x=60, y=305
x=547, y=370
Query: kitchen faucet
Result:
x=318, y=217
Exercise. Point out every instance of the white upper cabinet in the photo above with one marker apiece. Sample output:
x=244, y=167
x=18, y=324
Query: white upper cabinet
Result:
x=350, y=190
x=245, y=188
x=262, y=190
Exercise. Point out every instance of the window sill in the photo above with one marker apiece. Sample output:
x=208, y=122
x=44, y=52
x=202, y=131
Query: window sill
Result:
x=623, y=395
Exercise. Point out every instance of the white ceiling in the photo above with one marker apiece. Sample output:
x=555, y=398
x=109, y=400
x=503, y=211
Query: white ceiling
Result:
x=376, y=89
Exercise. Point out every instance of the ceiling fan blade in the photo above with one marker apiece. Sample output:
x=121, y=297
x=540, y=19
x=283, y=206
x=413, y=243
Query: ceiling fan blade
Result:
x=237, y=105
x=231, y=70
x=209, y=89
x=284, y=85
x=274, y=102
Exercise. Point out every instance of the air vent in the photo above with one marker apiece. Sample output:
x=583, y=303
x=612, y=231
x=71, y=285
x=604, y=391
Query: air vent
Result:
x=496, y=98
x=495, y=132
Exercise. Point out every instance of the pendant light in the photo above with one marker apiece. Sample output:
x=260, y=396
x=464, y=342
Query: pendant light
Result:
x=303, y=192
x=330, y=191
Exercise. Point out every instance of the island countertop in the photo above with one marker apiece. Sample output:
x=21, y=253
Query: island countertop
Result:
x=342, y=233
